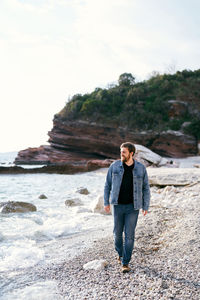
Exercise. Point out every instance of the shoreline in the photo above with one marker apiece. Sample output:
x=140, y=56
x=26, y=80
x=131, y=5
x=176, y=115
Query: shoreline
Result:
x=192, y=162
x=165, y=261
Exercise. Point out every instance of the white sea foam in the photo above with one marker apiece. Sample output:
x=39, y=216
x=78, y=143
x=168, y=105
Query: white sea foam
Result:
x=38, y=291
x=19, y=254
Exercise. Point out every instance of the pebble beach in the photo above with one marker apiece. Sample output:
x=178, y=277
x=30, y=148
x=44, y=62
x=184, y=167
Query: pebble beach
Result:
x=165, y=261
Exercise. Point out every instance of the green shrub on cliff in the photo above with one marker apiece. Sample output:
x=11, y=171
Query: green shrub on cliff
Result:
x=143, y=105
x=194, y=128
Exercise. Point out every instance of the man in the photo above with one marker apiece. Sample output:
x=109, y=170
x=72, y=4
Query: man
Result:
x=128, y=189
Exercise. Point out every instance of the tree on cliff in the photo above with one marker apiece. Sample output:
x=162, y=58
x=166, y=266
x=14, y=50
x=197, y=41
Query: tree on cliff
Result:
x=126, y=79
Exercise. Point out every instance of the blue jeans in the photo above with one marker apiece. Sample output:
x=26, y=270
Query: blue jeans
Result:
x=125, y=220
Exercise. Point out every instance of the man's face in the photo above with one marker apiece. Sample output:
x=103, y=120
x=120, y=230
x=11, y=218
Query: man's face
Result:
x=125, y=154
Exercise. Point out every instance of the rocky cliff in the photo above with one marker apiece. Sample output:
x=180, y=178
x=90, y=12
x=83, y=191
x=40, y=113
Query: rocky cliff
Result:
x=103, y=141
x=83, y=143
x=162, y=114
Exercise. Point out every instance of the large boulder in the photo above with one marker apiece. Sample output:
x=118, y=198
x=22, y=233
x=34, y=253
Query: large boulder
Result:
x=148, y=157
x=17, y=207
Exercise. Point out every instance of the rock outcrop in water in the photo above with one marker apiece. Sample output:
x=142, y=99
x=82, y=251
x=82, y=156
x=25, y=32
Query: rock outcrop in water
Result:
x=17, y=207
x=51, y=156
x=68, y=162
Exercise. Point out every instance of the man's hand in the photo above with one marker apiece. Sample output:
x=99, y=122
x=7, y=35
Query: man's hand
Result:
x=107, y=208
x=144, y=212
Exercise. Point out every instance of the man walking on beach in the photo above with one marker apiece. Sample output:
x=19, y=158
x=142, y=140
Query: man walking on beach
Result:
x=128, y=189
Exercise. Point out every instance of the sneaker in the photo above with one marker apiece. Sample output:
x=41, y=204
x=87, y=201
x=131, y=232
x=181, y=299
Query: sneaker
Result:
x=125, y=269
x=119, y=259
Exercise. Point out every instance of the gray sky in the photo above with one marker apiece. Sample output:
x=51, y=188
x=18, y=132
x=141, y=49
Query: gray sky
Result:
x=53, y=49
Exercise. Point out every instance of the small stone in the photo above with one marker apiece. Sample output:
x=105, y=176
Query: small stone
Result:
x=42, y=196
x=164, y=285
x=73, y=202
x=83, y=191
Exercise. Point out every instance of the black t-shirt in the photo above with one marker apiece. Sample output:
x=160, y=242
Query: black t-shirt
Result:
x=126, y=189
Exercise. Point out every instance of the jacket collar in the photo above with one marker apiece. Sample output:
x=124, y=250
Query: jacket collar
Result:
x=135, y=164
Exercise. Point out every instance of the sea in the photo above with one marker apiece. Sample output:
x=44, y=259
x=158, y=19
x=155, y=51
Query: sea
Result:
x=50, y=235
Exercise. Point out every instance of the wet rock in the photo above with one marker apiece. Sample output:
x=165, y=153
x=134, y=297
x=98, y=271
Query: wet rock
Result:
x=73, y=202
x=17, y=207
x=83, y=191
x=69, y=168
x=42, y=196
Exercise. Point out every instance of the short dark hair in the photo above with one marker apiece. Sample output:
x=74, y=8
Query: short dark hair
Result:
x=130, y=146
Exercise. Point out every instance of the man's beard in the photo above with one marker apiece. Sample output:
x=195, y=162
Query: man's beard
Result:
x=125, y=159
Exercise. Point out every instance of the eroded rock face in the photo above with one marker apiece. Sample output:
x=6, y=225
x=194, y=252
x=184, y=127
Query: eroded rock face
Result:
x=17, y=207
x=82, y=146
x=174, y=144
x=104, y=141
x=49, y=155
x=81, y=161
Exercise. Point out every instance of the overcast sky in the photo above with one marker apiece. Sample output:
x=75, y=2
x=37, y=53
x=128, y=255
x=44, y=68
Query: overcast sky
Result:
x=53, y=49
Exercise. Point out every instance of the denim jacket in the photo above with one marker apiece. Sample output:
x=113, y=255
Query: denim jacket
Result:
x=141, y=190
